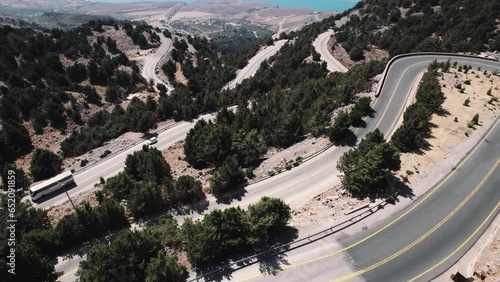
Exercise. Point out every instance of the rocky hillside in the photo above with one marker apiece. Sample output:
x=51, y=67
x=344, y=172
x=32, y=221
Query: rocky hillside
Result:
x=402, y=26
x=52, y=82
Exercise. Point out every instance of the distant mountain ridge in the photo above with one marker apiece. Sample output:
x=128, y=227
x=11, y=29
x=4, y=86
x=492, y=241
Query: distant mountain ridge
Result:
x=44, y=4
x=263, y=14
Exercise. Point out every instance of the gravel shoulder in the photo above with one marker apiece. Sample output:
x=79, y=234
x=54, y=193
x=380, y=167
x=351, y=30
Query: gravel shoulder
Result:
x=482, y=259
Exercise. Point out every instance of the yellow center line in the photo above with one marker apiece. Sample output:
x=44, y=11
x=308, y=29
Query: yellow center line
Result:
x=400, y=112
x=291, y=184
x=441, y=183
x=390, y=99
x=67, y=273
x=427, y=234
x=461, y=245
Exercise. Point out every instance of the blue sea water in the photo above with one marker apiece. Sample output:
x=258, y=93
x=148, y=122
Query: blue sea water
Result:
x=333, y=5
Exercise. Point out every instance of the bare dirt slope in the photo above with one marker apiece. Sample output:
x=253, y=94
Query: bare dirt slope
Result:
x=487, y=262
x=175, y=158
x=447, y=133
x=52, y=138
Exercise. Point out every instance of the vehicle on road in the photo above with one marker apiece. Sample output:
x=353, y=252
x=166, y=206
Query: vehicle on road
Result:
x=152, y=140
x=51, y=185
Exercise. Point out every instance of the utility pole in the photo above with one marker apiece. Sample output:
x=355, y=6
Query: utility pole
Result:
x=70, y=200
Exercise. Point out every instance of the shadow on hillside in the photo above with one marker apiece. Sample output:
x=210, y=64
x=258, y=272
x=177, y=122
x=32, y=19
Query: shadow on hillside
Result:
x=403, y=189
x=443, y=112
x=423, y=148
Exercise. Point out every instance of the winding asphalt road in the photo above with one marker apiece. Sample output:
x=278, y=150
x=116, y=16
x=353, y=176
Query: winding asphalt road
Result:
x=302, y=183
x=321, y=46
x=427, y=237
x=254, y=63
x=151, y=61
x=111, y=166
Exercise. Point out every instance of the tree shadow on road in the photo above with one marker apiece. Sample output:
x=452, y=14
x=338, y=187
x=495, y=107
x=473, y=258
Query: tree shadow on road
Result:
x=197, y=205
x=269, y=261
x=237, y=193
x=350, y=140
x=82, y=249
x=215, y=273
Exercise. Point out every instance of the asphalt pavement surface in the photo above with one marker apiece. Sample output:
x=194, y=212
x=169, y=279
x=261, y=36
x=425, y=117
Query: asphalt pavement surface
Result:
x=151, y=61
x=254, y=63
x=321, y=46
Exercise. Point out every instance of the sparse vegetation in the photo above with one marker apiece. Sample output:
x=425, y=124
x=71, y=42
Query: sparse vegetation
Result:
x=475, y=119
x=105, y=154
x=466, y=102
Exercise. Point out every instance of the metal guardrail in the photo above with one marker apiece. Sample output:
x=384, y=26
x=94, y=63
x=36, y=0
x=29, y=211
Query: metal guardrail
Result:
x=282, y=170
x=393, y=59
x=311, y=156
x=299, y=243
